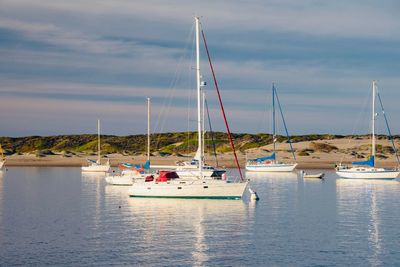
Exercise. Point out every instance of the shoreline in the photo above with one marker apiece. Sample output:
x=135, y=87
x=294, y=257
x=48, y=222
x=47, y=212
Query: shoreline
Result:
x=226, y=161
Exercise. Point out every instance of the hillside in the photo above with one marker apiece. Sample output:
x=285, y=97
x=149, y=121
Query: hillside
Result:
x=181, y=143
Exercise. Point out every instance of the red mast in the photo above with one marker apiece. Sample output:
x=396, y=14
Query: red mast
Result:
x=222, y=108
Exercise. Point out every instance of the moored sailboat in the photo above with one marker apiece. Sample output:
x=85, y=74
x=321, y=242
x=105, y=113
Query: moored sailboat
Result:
x=366, y=169
x=96, y=166
x=130, y=172
x=270, y=163
x=169, y=184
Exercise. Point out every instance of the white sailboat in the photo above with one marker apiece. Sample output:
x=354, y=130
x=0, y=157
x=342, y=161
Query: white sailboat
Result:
x=2, y=159
x=168, y=184
x=130, y=173
x=269, y=163
x=367, y=169
x=96, y=166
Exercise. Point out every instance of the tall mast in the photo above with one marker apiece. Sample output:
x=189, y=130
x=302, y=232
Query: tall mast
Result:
x=199, y=123
x=148, y=129
x=373, y=118
x=203, y=128
x=273, y=115
x=98, y=142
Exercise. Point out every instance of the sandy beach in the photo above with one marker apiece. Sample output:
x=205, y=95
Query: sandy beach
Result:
x=322, y=154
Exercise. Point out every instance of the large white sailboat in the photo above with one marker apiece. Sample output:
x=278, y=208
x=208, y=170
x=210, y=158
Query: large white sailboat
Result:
x=168, y=184
x=2, y=159
x=270, y=163
x=130, y=172
x=96, y=166
x=366, y=169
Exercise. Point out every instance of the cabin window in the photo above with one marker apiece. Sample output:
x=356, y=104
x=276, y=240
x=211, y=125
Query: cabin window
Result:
x=205, y=186
x=179, y=187
x=148, y=188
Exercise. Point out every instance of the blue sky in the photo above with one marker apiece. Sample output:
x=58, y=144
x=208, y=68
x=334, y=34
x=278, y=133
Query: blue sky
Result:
x=64, y=64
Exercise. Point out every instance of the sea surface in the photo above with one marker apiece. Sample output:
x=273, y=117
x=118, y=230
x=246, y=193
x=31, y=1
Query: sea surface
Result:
x=59, y=217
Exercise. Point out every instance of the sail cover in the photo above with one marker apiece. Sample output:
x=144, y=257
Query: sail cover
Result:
x=369, y=162
x=270, y=157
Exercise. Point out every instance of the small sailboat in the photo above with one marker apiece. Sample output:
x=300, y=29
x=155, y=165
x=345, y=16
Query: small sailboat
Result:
x=168, y=184
x=2, y=159
x=366, y=169
x=131, y=172
x=269, y=163
x=96, y=166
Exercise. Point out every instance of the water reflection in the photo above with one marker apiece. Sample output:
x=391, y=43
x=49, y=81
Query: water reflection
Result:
x=277, y=175
x=358, y=203
x=199, y=222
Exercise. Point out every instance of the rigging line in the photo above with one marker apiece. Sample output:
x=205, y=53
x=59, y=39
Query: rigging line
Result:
x=160, y=122
x=222, y=107
x=388, y=128
x=190, y=97
x=362, y=111
x=284, y=123
x=212, y=133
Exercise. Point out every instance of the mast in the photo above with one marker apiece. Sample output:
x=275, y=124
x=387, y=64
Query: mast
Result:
x=199, y=122
x=98, y=142
x=203, y=130
x=373, y=118
x=148, y=129
x=273, y=115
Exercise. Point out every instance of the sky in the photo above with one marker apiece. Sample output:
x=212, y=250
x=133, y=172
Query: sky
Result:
x=65, y=64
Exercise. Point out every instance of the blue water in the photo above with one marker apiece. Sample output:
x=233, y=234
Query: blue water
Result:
x=57, y=217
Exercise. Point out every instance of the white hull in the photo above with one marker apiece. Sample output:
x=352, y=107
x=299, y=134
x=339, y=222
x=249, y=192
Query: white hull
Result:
x=273, y=167
x=181, y=188
x=373, y=173
x=125, y=178
x=96, y=168
x=119, y=180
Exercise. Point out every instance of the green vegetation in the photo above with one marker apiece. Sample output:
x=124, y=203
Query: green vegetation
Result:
x=179, y=143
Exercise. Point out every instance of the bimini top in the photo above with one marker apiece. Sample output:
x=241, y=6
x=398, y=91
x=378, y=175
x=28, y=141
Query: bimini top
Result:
x=370, y=162
x=166, y=175
x=270, y=157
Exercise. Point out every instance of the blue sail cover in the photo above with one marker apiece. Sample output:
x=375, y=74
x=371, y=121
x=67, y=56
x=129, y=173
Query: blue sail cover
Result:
x=369, y=162
x=271, y=157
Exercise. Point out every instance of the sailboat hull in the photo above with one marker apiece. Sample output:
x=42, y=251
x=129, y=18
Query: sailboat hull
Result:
x=369, y=174
x=180, y=188
x=277, y=167
x=96, y=168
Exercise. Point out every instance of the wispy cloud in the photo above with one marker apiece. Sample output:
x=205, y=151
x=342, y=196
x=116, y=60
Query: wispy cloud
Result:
x=101, y=57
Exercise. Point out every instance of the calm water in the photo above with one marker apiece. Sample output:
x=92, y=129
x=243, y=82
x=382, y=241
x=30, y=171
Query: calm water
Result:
x=55, y=216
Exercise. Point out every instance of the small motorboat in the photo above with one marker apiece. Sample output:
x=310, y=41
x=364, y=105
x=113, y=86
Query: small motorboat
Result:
x=313, y=175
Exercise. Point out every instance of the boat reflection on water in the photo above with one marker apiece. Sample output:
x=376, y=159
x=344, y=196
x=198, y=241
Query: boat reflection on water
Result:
x=199, y=220
x=93, y=175
x=194, y=225
x=359, y=200
x=273, y=175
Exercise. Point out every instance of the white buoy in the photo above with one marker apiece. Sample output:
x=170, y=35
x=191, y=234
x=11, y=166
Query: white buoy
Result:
x=253, y=195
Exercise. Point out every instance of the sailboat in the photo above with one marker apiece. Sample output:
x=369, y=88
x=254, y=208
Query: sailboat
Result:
x=269, y=163
x=2, y=159
x=366, y=169
x=131, y=172
x=96, y=166
x=169, y=184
